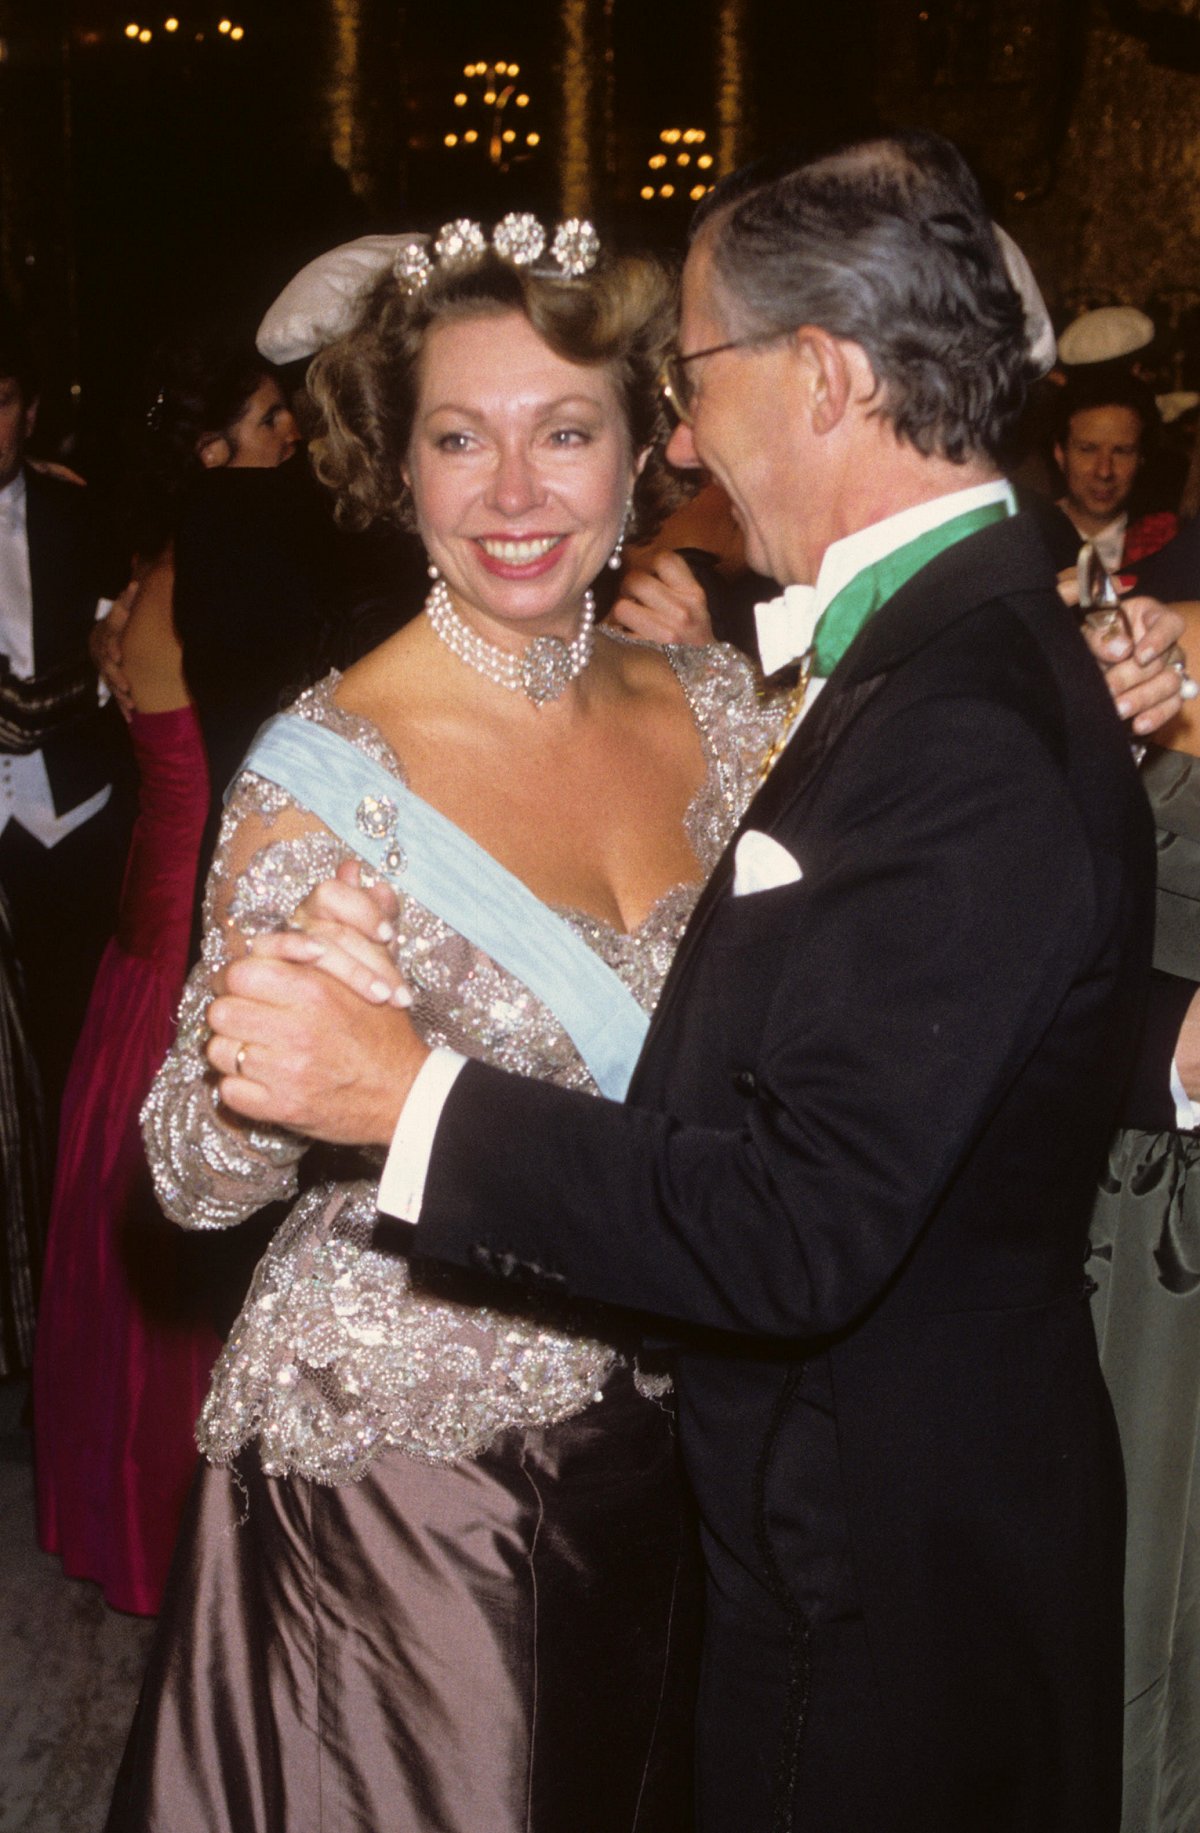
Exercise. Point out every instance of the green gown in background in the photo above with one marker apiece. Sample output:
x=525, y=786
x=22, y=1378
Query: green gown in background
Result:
x=1146, y=1261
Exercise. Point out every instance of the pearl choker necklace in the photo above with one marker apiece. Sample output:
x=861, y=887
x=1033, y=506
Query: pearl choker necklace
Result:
x=544, y=669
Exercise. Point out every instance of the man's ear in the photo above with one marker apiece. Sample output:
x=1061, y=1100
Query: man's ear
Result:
x=1060, y=457
x=31, y=414
x=830, y=374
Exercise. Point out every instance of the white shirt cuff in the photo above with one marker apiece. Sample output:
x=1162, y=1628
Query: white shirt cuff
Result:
x=1187, y=1114
x=402, y=1186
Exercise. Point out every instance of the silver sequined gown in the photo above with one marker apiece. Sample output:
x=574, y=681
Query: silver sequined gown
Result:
x=446, y=1579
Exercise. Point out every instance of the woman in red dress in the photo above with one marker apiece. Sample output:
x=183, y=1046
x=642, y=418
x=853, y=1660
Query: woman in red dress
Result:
x=124, y=1345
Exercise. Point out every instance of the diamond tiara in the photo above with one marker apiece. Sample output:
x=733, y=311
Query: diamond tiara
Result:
x=519, y=238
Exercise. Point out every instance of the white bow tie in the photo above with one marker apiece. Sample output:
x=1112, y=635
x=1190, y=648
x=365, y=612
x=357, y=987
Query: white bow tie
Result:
x=785, y=627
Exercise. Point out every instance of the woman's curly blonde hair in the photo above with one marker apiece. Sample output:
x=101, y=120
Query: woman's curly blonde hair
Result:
x=363, y=387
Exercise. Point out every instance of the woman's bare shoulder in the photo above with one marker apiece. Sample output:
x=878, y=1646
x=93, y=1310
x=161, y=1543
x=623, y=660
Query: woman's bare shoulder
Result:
x=383, y=671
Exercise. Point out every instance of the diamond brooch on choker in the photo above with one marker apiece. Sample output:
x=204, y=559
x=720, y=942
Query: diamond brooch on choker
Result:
x=544, y=669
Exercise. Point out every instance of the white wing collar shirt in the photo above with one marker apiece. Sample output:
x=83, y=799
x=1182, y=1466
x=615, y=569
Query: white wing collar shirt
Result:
x=25, y=794
x=786, y=626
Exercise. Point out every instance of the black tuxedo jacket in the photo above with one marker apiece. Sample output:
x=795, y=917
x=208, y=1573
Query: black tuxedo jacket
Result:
x=65, y=585
x=856, y=1167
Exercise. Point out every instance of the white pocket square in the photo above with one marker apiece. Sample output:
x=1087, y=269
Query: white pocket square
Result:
x=761, y=864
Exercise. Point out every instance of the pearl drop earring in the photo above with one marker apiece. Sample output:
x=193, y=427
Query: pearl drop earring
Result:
x=614, y=559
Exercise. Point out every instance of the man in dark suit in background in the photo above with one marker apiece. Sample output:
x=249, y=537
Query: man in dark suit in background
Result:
x=858, y=1155
x=62, y=835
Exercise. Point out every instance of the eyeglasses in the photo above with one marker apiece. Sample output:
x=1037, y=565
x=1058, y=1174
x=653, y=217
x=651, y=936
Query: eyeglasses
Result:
x=674, y=378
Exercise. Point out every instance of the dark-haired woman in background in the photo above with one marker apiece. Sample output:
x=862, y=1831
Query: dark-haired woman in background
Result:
x=124, y=1346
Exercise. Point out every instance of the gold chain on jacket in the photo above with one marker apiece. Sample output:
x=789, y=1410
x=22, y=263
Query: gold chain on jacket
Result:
x=795, y=704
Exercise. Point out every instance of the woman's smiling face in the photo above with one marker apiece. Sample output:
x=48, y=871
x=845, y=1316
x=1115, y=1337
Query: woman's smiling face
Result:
x=520, y=466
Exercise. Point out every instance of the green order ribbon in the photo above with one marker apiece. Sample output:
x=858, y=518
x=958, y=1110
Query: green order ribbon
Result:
x=845, y=615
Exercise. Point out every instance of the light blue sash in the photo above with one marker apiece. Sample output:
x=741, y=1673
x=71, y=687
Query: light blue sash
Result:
x=423, y=854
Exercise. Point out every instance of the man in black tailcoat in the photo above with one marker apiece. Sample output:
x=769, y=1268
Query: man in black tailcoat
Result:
x=858, y=1156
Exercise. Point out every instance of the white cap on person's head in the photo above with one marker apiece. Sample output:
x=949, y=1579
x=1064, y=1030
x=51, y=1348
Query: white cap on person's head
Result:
x=318, y=304
x=1104, y=336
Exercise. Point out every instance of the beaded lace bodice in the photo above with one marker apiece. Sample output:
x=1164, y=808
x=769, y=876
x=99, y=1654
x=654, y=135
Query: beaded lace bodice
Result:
x=342, y=1346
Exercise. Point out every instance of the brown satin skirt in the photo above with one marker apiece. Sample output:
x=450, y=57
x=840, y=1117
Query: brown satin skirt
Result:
x=506, y=1644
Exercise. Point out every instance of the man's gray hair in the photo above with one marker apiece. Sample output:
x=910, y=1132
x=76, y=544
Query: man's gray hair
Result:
x=887, y=243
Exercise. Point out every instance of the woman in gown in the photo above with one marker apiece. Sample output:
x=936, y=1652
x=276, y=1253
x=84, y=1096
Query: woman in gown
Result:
x=436, y=1571
x=125, y=1345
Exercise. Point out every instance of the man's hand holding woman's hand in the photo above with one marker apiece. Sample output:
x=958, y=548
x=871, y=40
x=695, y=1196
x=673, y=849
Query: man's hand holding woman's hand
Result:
x=343, y=929
x=309, y=1031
